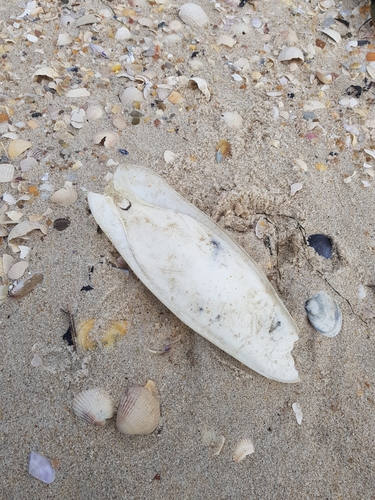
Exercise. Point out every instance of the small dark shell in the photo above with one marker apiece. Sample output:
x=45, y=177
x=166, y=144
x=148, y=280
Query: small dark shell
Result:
x=321, y=244
x=61, y=224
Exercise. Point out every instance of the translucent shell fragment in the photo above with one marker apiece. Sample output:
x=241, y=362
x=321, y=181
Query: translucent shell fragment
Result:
x=194, y=267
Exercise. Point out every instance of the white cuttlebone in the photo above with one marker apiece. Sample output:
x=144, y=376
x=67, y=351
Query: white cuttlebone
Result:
x=191, y=265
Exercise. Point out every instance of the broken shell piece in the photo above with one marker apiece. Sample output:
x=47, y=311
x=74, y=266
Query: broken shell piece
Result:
x=114, y=333
x=78, y=93
x=290, y=53
x=94, y=112
x=41, y=468
x=326, y=77
x=298, y=412
x=297, y=186
x=107, y=138
x=24, y=228
x=335, y=35
x=65, y=196
x=202, y=85
x=94, y=406
x=226, y=40
x=131, y=95
x=232, y=119
x=217, y=289
x=215, y=442
x=3, y=293
x=193, y=15
x=25, y=286
x=138, y=411
x=244, y=447
x=6, y=172
x=17, y=270
x=83, y=330
x=77, y=118
x=169, y=156
x=17, y=147
x=64, y=39
x=324, y=314
x=47, y=72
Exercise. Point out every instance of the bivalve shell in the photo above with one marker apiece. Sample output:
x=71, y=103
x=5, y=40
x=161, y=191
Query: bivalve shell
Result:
x=17, y=147
x=193, y=15
x=17, y=270
x=232, y=119
x=41, y=468
x=290, y=53
x=123, y=34
x=94, y=112
x=131, y=95
x=65, y=196
x=107, y=138
x=244, y=447
x=324, y=314
x=94, y=406
x=138, y=411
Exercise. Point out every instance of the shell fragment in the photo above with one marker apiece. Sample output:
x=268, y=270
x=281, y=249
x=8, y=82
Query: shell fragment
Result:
x=197, y=271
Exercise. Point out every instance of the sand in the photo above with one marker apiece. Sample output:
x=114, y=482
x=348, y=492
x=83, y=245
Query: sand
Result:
x=201, y=389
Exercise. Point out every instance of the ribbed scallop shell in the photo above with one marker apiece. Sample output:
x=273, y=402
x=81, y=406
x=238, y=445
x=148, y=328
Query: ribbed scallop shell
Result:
x=130, y=95
x=138, y=411
x=193, y=15
x=244, y=447
x=94, y=406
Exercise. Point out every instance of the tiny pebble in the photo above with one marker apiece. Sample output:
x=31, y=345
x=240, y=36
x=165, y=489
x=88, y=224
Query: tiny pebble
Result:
x=36, y=361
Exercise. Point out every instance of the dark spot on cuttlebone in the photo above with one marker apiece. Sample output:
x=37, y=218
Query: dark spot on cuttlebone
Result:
x=216, y=247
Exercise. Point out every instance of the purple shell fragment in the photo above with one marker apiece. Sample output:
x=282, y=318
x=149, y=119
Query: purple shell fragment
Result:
x=41, y=468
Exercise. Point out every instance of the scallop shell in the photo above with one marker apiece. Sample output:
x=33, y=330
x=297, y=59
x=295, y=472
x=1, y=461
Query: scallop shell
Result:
x=6, y=172
x=193, y=15
x=83, y=330
x=94, y=112
x=290, y=53
x=17, y=270
x=138, y=411
x=123, y=34
x=324, y=314
x=197, y=271
x=41, y=468
x=130, y=95
x=17, y=147
x=243, y=448
x=94, y=406
x=232, y=119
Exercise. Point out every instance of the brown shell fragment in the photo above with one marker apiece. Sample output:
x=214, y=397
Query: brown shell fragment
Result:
x=224, y=147
x=61, y=224
x=26, y=286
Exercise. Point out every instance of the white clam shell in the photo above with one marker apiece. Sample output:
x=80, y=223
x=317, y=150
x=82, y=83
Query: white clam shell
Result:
x=130, y=95
x=324, y=314
x=94, y=406
x=138, y=411
x=232, y=119
x=193, y=15
x=65, y=196
x=94, y=112
x=123, y=34
x=290, y=53
x=202, y=85
x=41, y=468
x=243, y=448
x=197, y=271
